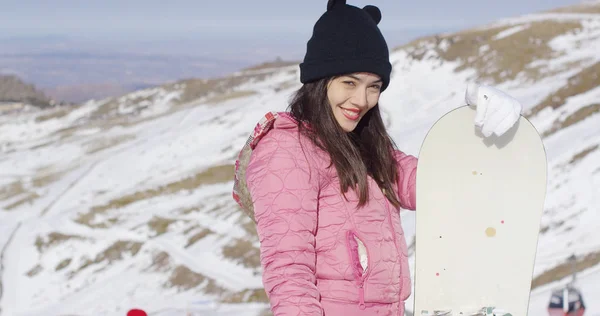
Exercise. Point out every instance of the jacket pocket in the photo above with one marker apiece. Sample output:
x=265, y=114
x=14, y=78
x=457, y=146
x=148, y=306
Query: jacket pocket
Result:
x=359, y=259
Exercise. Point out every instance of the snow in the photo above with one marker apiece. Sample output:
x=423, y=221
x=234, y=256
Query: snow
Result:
x=537, y=17
x=510, y=31
x=154, y=145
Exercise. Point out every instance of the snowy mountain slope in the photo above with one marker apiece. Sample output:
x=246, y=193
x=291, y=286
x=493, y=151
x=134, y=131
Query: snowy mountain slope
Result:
x=127, y=202
x=137, y=194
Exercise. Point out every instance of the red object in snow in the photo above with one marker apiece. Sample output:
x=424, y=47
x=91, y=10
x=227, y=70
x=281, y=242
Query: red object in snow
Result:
x=560, y=312
x=136, y=312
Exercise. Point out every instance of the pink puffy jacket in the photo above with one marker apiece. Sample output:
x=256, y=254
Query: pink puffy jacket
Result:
x=320, y=254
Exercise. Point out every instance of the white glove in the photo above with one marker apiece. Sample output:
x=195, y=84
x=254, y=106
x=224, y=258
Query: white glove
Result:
x=497, y=111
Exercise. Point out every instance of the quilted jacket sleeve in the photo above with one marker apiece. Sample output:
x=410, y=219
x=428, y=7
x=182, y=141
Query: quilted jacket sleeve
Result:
x=407, y=174
x=284, y=194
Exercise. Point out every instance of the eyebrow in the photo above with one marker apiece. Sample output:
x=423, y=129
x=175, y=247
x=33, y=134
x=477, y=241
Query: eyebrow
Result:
x=357, y=78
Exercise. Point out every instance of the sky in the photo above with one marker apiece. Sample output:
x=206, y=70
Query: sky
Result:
x=194, y=26
x=169, y=40
x=239, y=17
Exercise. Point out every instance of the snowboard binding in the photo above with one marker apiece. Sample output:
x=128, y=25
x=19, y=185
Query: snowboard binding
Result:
x=485, y=311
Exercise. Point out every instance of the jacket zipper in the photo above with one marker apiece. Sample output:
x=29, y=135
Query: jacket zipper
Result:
x=361, y=296
x=387, y=205
x=361, y=273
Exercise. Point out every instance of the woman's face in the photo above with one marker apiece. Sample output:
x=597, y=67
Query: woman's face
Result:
x=352, y=96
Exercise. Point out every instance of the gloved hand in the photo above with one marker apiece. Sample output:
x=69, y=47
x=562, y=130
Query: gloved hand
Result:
x=497, y=111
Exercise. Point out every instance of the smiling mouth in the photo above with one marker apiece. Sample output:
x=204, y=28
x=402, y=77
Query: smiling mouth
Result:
x=352, y=115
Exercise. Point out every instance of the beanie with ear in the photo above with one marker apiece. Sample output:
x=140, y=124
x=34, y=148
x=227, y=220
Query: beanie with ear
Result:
x=346, y=39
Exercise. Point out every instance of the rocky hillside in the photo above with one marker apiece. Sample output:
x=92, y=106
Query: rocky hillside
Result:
x=14, y=90
x=127, y=202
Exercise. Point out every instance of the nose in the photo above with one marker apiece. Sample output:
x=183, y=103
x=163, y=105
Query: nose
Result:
x=359, y=99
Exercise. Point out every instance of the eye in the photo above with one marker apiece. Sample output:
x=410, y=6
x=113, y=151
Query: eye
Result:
x=350, y=83
x=376, y=86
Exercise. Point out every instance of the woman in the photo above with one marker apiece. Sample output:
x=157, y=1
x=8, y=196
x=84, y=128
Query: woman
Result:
x=324, y=181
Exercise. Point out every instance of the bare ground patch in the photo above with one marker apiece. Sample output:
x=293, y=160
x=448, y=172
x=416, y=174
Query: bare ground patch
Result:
x=582, y=82
x=564, y=270
x=63, y=264
x=212, y=175
x=198, y=236
x=53, y=239
x=27, y=198
x=582, y=154
x=286, y=85
x=277, y=63
x=196, y=89
x=184, y=279
x=578, y=8
x=65, y=133
x=54, y=113
x=114, y=252
x=247, y=224
x=246, y=296
x=12, y=189
x=560, y=223
x=100, y=144
x=496, y=59
x=46, y=176
x=230, y=96
x=579, y=115
x=243, y=252
x=25, y=192
x=160, y=225
x=160, y=263
x=108, y=109
x=34, y=271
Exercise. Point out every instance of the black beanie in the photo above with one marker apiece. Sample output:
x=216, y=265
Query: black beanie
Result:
x=346, y=39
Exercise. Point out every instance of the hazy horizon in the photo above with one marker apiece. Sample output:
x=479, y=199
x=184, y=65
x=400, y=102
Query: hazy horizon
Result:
x=65, y=44
x=279, y=26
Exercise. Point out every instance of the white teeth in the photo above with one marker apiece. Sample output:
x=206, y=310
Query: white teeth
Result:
x=350, y=113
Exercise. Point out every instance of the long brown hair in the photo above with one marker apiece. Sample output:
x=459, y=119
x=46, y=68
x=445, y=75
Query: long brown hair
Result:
x=366, y=151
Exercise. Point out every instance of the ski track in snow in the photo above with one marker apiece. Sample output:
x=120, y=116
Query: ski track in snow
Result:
x=2, y=258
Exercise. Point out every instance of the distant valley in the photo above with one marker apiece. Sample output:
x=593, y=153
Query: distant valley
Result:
x=80, y=76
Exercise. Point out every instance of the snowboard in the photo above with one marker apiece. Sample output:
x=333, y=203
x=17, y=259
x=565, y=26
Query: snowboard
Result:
x=479, y=206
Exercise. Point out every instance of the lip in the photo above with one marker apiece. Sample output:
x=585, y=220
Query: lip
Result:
x=353, y=117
